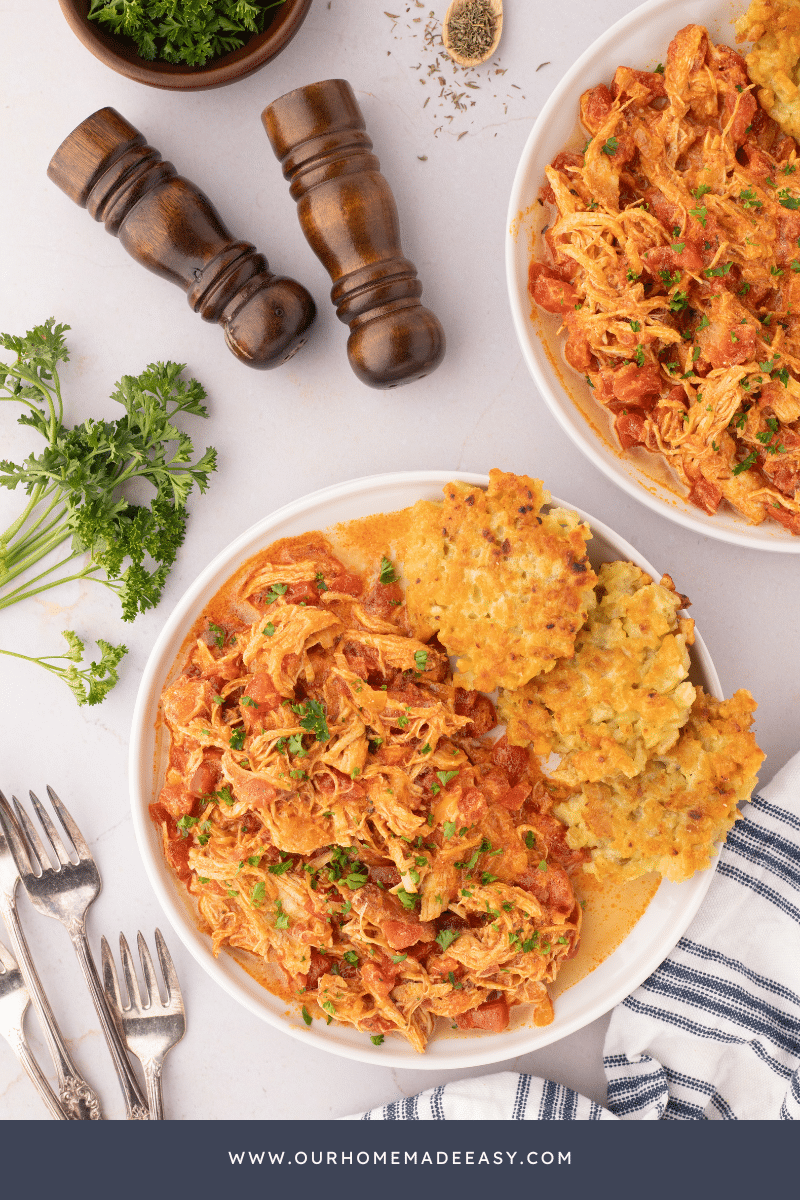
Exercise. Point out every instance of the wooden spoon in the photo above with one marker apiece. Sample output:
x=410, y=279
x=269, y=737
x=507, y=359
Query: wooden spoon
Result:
x=497, y=11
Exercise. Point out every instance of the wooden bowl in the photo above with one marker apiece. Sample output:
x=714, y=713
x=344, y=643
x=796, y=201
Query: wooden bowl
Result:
x=120, y=54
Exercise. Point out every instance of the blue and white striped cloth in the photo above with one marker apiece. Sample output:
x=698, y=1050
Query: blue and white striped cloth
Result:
x=714, y=1033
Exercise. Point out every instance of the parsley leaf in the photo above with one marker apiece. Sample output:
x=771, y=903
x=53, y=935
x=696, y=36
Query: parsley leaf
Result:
x=313, y=719
x=610, y=147
x=446, y=937
x=387, y=572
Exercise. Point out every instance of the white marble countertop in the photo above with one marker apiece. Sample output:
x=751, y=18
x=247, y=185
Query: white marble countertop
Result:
x=284, y=433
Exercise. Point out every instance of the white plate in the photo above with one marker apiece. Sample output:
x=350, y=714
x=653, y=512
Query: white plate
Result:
x=666, y=918
x=638, y=40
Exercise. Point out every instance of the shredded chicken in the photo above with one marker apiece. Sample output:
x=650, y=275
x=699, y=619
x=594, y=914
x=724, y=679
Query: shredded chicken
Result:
x=673, y=257
x=334, y=807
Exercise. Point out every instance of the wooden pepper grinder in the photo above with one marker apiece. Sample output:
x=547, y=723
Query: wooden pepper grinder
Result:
x=349, y=217
x=169, y=226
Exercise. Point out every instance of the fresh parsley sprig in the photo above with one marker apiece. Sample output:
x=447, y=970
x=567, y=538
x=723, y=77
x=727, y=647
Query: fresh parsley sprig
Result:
x=77, y=486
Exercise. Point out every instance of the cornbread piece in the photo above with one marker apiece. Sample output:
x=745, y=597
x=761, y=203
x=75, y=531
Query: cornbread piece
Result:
x=505, y=585
x=668, y=818
x=624, y=695
x=774, y=28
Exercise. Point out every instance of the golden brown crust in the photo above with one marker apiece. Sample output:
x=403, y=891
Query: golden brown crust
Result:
x=502, y=579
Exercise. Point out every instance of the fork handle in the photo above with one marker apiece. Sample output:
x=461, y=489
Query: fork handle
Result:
x=152, y=1068
x=134, y=1100
x=19, y=1045
x=78, y=1098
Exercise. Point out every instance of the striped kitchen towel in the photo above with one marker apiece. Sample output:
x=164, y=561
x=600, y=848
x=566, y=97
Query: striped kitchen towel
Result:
x=714, y=1033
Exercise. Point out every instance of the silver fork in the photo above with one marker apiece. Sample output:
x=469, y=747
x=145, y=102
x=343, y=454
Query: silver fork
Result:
x=65, y=892
x=14, y=1002
x=78, y=1099
x=152, y=1028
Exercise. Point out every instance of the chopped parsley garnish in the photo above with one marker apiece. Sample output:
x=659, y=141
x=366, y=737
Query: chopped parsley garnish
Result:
x=257, y=894
x=640, y=356
x=446, y=776
x=678, y=247
x=420, y=659
x=281, y=918
x=313, y=719
x=610, y=147
x=185, y=823
x=632, y=275
x=746, y=463
x=351, y=957
x=376, y=1039
x=269, y=629
x=530, y=839
x=722, y=269
x=281, y=868
x=254, y=860
x=319, y=580
x=669, y=278
x=306, y=1015
x=398, y=958
x=446, y=937
x=277, y=589
x=700, y=191
x=387, y=572
x=787, y=201
x=219, y=634
x=407, y=899
x=356, y=879
x=449, y=828
x=249, y=702
x=749, y=199
x=701, y=214
x=678, y=301
x=237, y=739
x=635, y=326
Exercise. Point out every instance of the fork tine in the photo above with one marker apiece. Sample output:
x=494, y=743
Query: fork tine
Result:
x=69, y=825
x=110, y=981
x=129, y=973
x=13, y=834
x=168, y=970
x=35, y=848
x=148, y=970
x=50, y=830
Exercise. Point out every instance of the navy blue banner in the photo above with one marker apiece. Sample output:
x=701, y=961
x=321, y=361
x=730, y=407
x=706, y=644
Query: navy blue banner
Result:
x=669, y=1160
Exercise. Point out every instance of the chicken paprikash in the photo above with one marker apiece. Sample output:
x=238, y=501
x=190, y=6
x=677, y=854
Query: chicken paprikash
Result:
x=673, y=258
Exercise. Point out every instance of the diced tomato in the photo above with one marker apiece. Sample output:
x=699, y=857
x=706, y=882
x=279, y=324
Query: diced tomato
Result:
x=664, y=258
x=637, y=386
x=206, y=778
x=402, y=934
x=629, y=428
x=705, y=495
x=596, y=105
x=318, y=966
x=512, y=759
x=479, y=709
x=491, y=1015
x=548, y=291
x=384, y=873
x=176, y=800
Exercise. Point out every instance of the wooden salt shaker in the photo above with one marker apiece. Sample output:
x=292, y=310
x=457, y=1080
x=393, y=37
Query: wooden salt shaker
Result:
x=169, y=226
x=349, y=217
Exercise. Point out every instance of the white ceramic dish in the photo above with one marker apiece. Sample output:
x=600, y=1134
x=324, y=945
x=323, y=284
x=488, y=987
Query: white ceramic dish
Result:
x=638, y=40
x=666, y=918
